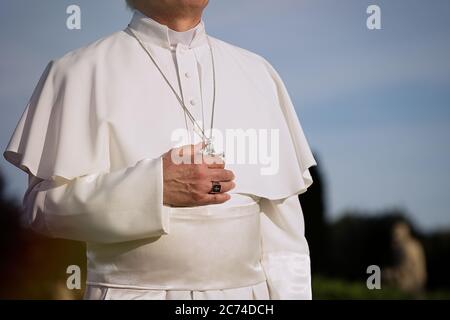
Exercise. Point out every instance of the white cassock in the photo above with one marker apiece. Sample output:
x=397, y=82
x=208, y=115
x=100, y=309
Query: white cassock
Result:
x=91, y=140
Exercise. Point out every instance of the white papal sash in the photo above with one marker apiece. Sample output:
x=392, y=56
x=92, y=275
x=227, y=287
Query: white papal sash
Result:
x=207, y=248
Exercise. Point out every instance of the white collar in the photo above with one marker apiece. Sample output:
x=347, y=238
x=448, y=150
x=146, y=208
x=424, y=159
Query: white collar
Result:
x=152, y=32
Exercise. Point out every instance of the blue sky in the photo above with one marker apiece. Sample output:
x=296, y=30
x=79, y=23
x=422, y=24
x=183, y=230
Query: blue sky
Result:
x=375, y=105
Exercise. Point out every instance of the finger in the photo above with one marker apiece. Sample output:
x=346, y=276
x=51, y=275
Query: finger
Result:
x=220, y=175
x=190, y=148
x=214, y=162
x=189, y=151
x=225, y=186
x=215, y=198
x=199, y=146
x=216, y=166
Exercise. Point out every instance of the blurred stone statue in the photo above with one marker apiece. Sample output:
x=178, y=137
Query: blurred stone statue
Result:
x=409, y=272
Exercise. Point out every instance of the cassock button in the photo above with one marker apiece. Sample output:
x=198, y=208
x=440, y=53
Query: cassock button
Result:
x=187, y=75
x=193, y=102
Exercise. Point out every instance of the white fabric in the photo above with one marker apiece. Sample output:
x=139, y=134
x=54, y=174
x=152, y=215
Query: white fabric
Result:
x=258, y=291
x=92, y=135
x=102, y=208
x=183, y=37
x=285, y=256
x=206, y=249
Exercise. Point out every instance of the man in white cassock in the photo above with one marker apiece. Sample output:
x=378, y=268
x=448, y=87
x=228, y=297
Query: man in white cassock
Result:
x=98, y=140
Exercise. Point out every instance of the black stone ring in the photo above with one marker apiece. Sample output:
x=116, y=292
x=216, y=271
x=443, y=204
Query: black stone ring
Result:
x=216, y=187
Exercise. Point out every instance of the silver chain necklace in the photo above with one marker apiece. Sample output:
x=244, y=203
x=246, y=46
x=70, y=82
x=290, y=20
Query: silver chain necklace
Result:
x=209, y=148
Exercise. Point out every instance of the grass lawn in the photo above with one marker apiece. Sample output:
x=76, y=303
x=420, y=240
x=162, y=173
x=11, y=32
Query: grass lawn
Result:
x=330, y=288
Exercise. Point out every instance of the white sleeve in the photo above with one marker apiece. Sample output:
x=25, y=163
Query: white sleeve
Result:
x=119, y=206
x=285, y=257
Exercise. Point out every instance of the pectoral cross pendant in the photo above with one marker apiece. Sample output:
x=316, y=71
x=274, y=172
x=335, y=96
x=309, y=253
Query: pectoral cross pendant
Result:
x=209, y=149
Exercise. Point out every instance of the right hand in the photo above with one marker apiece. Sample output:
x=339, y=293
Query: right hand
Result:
x=189, y=184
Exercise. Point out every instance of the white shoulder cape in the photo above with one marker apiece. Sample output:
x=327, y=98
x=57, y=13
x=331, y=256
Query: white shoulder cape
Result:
x=104, y=107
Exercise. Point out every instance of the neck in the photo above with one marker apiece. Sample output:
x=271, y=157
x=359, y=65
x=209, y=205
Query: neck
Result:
x=175, y=22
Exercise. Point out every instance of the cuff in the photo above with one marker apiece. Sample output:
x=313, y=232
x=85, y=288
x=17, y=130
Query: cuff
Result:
x=160, y=212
